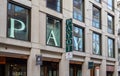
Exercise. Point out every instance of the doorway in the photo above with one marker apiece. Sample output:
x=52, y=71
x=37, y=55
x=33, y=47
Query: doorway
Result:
x=2, y=69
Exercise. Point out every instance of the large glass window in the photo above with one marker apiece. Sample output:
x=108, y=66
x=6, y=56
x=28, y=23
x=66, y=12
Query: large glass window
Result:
x=110, y=4
x=96, y=17
x=78, y=8
x=110, y=24
x=78, y=39
x=110, y=47
x=53, y=37
x=55, y=5
x=18, y=22
x=96, y=44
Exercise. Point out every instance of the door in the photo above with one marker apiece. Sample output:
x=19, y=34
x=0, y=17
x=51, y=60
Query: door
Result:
x=2, y=70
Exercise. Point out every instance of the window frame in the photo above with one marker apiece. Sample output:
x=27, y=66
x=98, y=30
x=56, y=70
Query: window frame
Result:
x=61, y=6
x=83, y=11
x=29, y=23
x=110, y=7
x=97, y=1
x=83, y=37
x=53, y=17
x=112, y=47
x=94, y=6
x=113, y=26
x=100, y=42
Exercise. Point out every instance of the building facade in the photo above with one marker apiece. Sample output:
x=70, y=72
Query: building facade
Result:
x=34, y=30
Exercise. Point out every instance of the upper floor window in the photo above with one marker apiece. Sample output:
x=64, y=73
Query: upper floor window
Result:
x=96, y=44
x=78, y=39
x=96, y=17
x=98, y=1
x=53, y=31
x=110, y=24
x=18, y=22
x=55, y=5
x=78, y=8
x=110, y=47
x=110, y=4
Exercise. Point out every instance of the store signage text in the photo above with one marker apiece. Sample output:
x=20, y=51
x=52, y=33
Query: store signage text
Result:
x=12, y=26
x=52, y=36
x=68, y=35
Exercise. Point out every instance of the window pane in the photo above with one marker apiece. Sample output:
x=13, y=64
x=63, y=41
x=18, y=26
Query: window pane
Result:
x=96, y=17
x=77, y=38
x=18, y=22
x=98, y=1
x=96, y=44
x=53, y=31
x=78, y=6
x=110, y=4
x=110, y=24
x=110, y=48
x=55, y=5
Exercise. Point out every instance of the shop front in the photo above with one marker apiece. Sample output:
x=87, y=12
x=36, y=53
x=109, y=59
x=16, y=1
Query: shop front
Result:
x=50, y=67
x=13, y=66
x=95, y=71
x=110, y=70
x=75, y=68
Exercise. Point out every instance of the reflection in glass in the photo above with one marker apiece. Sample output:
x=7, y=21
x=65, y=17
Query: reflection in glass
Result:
x=78, y=6
x=18, y=22
x=53, y=32
x=96, y=44
x=96, y=17
x=110, y=48
x=75, y=70
x=98, y=1
x=50, y=69
x=110, y=24
x=110, y=4
x=77, y=38
x=55, y=5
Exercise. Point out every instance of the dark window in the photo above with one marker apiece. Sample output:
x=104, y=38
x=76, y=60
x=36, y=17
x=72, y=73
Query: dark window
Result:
x=55, y=5
x=96, y=17
x=110, y=24
x=78, y=8
x=110, y=4
x=111, y=52
x=96, y=44
x=53, y=31
x=78, y=39
x=18, y=22
x=75, y=70
x=49, y=69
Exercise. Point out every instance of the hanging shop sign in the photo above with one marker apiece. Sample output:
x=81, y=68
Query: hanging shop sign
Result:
x=69, y=35
x=38, y=59
x=90, y=65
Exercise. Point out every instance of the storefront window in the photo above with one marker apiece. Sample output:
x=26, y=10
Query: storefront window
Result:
x=96, y=17
x=49, y=68
x=96, y=44
x=75, y=70
x=18, y=22
x=110, y=47
x=78, y=8
x=53, y=32
x=55, y=5
x=78, y=39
